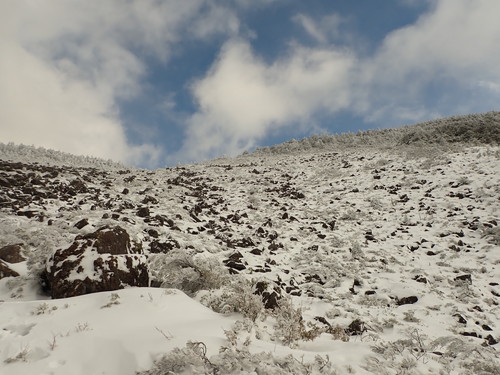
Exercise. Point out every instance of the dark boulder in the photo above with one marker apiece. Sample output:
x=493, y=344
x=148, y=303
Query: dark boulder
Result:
x=157, y=247
x=95, y=262
x=406, y=300
x=143, y=212
x=12, y=253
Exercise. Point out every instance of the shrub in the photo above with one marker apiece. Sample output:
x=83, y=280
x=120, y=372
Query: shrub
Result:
x=290, y=327
x=189, y=274
x=192, y=359
x=236, y=297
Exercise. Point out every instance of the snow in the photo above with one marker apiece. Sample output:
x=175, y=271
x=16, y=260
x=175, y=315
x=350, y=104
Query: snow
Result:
x=81, y=335
x=406, y=223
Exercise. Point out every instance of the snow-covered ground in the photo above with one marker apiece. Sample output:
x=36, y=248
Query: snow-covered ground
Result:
x=374, y=261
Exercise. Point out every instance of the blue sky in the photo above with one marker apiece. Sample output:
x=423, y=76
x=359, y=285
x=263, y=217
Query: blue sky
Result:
x=156, y=83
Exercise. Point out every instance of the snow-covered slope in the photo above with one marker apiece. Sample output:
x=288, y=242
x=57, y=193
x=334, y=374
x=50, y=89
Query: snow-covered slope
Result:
x=41, y=155
x=365, y=259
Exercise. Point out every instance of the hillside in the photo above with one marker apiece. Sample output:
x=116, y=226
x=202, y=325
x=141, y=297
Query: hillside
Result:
x=369, y=253
x=448, y=133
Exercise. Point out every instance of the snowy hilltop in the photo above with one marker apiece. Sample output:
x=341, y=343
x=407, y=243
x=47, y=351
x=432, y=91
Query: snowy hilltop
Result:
x=368, y=253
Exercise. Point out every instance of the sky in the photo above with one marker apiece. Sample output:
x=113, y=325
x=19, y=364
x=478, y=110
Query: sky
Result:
x=155, y=83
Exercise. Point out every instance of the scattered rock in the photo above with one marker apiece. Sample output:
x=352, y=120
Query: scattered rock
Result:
x=490, y=340
x=486, y=327
x=406, y=300
x=81, y=224
x=460, y=319
x=356, y=328
x=157, y=247
x=467, y=278
x=149, y=199
x=143, y=212
x=28, y=213
x=420, y=279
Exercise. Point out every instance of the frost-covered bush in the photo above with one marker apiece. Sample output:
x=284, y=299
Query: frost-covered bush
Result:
x=187, y=360
x=187, y=273
x=192, y=360
x=38, y=244
x=415, y=350
x=290, y=326
x=237, y=296
x=25, y=153
x=471, y=129
x=350, y=215
x=492, y=235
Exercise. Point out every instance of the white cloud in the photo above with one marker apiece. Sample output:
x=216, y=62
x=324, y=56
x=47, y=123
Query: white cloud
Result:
x=65, y=64
x=459, y=35
x=242, y=98
x=449, y=51
x=456, y=44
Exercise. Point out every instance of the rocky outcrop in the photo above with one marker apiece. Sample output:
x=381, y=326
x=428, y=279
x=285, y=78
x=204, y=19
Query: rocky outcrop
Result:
x=95, y=262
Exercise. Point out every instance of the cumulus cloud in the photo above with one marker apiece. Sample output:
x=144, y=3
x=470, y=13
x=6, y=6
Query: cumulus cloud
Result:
x=66, y=64
x=451, y=53
x=242, y=98
x=454, y=47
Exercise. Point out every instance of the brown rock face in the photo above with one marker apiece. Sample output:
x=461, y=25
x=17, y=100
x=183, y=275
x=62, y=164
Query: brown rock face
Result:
x=95, y=262
x=6, y=271
x=12, y=254
x=113, y=241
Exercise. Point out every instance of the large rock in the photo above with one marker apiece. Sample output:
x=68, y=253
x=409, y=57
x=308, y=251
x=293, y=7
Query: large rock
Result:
x=95, y=262
x=12, y=253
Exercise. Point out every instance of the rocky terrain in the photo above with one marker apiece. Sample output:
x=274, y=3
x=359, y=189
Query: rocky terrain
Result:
x=368, y=253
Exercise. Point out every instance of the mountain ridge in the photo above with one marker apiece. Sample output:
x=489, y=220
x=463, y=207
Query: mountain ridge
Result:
x=481, y=128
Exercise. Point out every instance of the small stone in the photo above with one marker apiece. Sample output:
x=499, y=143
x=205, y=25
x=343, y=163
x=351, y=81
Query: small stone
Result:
x=490, y=340
x=356, y=328
x=143, y=212
x=460, y=319
x=82, y=223
x=406, y=300
x=486, y=327
x=467, y=278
